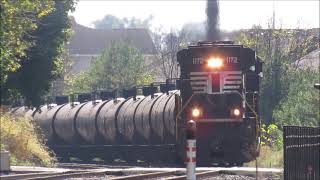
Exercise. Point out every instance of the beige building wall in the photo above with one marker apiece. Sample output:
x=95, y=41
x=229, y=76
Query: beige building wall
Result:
x=81, y=62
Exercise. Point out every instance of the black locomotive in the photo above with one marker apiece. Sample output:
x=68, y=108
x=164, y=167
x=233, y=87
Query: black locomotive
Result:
x=218, y=88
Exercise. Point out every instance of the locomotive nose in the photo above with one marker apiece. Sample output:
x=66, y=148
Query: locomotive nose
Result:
x=216, y=149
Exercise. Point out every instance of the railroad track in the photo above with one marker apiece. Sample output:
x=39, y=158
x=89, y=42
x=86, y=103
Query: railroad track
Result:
x=54, y=175
x=170, y=175
x=107, y=174
x=87, y=171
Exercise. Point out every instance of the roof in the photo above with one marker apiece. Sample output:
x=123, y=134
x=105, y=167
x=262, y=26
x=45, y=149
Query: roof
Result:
x=87, y=40
x=311, y=60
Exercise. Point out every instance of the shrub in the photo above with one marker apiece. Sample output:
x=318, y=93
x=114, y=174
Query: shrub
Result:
x=271, y=136
x=19, y=137
x=269, y=158
x=271, y=151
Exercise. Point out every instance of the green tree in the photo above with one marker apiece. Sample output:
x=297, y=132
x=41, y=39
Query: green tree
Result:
x=120, y=66
x=78, y=83
x=109, y=22
x=301, y=105
x=18, y=19
x=279, y=48
x=112, y=22
x=43, y=62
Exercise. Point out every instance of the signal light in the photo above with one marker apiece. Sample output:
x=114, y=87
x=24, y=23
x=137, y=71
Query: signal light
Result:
x=196, y=112
x=215, y=63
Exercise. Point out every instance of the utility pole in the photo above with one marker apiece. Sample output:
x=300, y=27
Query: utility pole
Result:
x=274, y=16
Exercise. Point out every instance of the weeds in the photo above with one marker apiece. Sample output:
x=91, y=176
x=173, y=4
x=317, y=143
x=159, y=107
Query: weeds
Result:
x=26, y=147
x=269, y=158
x=271, y=152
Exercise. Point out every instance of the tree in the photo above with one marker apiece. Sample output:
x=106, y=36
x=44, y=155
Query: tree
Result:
x=167, y=46
x=194, y=32
x=279, y=48
x=109, y=22
x=301, y=105
x=112, y=22
x=120, y=66
x=78, y=83
x=18, y=19
x=43, y=62
x=58, y=86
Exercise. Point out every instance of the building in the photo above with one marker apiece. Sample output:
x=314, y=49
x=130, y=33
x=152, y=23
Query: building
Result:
x=87, y=43
x=310, y=61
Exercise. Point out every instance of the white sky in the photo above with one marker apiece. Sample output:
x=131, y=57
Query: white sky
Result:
x=233, y=14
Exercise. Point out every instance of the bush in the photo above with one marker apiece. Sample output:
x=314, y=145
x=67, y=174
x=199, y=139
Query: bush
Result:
x=26, y=147
x=271, y=151
x=271, y=136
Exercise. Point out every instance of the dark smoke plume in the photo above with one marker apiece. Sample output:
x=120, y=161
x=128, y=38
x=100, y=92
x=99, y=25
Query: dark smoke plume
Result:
x=212, y=20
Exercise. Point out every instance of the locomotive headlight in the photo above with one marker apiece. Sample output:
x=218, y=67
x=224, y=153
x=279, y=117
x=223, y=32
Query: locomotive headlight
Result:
x=236, y=112
x=215, y=63
x=196, y=112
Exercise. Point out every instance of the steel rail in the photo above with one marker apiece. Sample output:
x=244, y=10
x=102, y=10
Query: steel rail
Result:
x=72, y=175
x=29, y=175
x=198, y=175
x=91, y=166
x=146, y=176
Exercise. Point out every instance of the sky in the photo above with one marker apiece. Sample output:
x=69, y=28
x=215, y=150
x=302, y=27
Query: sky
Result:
x=233, y=14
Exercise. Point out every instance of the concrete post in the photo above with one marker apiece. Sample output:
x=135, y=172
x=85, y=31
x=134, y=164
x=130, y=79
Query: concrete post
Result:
x=4, y=161
x=191, y=150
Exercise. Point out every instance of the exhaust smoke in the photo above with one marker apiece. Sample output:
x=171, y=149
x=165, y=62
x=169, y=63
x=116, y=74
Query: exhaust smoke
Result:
x=212, y=12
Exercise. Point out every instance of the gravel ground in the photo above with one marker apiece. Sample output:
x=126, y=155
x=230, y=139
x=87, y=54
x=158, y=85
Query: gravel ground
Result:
x=240, y=177
x=230, y=177
x=218, y=177
x=93, y=178
x=223, y=177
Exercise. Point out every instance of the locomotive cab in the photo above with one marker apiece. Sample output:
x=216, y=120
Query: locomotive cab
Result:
x=220, y=90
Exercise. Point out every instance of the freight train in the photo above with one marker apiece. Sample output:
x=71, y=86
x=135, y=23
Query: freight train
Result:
x=218, y=88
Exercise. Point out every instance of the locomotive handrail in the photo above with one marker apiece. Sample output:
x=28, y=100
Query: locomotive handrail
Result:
x=178, y=114
x=256, y=118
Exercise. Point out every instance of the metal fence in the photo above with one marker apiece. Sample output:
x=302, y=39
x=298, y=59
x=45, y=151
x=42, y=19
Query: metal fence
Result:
x=301, y=148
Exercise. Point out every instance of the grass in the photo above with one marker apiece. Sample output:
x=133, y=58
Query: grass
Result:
x=19, y=137
x=270, y=157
